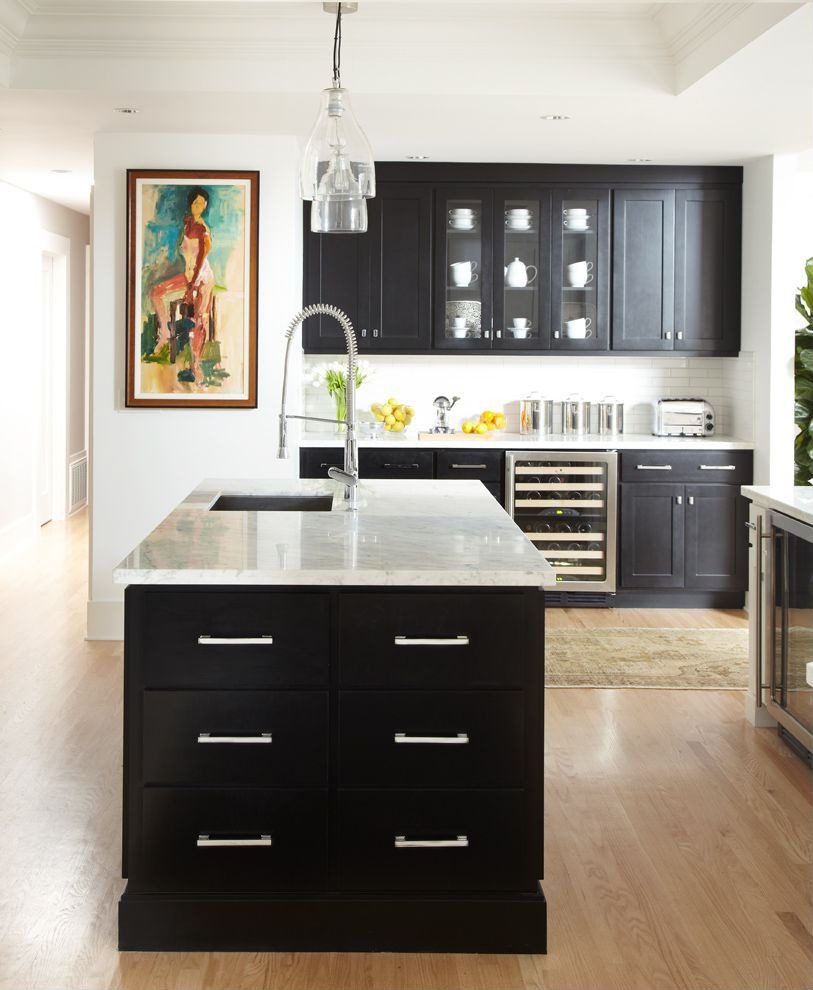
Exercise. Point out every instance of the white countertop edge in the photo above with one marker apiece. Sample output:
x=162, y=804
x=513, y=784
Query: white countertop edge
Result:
x=794, y=502
x=809, y=674
x=359, y=579
x=512, y=441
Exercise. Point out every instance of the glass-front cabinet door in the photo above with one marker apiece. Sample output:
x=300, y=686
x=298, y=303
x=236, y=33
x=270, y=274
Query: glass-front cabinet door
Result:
x=580, y=254
x=522, y=270
x=463, y=269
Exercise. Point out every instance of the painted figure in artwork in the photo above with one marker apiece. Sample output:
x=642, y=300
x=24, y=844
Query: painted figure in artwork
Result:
x=196, y=284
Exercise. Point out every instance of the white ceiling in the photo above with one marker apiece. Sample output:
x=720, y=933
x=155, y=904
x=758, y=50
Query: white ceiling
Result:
x=714, y=83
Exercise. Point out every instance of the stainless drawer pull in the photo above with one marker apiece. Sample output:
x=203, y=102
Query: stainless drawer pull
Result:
x=470, y=467
x=448, y=641
x=207, y=737
x=403, y=467
x=456, y=740
x=691, y=500
x=460, y=842
x=718, y=467
x=653, y=467
x=235, y=640
x=207, y=841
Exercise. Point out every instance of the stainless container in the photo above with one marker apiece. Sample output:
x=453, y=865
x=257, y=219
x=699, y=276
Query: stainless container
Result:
x=610, y=416
x=535, y=416
x=575, y=416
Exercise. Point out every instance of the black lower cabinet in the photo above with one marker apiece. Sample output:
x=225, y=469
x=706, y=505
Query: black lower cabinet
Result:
x=688, y=539
x=386, y=796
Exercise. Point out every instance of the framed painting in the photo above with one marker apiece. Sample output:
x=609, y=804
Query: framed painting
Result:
x=192, y=288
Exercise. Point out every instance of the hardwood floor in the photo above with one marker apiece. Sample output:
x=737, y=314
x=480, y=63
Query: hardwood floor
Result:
x=677, y=844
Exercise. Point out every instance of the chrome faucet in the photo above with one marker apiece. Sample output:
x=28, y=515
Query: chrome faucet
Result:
x=350, y=475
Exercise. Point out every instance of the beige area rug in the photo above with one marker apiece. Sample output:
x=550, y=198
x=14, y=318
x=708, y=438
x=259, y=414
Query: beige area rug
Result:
x=688, y=659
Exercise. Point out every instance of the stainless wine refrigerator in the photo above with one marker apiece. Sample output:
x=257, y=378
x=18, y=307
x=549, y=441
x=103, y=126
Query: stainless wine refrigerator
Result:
x=790, y=628
x=565, y=502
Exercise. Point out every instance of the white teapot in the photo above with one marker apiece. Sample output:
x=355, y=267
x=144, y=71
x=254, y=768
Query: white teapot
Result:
x=516, y=274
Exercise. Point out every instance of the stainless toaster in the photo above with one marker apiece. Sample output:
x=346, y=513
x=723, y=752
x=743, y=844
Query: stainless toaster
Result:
x=683, y=418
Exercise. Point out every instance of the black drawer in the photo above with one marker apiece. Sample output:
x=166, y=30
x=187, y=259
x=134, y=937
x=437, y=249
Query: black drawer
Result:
x=478, y=739
x=219, y=738
x=171, y=622
x=174, y=820
x=493, y=850
x=396, y=463
x=481, y=465
x=696, y=466
x=481, y=639
x=315, y=461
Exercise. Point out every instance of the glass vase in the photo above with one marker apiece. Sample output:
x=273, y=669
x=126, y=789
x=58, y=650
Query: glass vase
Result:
x=340, y=398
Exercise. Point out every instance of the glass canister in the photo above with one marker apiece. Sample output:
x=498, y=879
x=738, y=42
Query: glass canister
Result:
x=610, y=416
x=535, y=416
x=575, y=416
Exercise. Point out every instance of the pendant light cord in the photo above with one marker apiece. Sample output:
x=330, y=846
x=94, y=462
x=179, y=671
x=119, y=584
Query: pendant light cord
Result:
x=337, y=49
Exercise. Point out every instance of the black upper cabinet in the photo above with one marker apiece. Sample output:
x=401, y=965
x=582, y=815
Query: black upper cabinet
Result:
x=580, y=269
x=381, y=279
x=643, y=269
x=535, y=259
x=400, y=236
x=707, y=270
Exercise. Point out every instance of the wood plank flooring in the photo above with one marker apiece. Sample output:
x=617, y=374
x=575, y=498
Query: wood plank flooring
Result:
x=677, y=843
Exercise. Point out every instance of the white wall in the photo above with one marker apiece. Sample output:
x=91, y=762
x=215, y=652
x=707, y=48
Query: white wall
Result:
x=777, y=237
x=490, y=382
x=26, y=219
x=143, y=461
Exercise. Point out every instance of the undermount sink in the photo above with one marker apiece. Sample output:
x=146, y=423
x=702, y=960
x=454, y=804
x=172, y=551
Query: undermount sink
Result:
x=273, y=503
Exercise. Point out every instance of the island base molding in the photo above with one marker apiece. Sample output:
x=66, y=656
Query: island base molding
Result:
x=495, y=923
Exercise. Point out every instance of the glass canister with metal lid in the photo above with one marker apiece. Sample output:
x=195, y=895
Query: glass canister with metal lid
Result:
x=610, y=416
x=535, y=416
x=575, y=416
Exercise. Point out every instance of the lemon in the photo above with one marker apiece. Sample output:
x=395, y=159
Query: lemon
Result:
x=400, y=414
x=500, y=421
x=481, y=428
x=393, y=402
x=397, y=426
x=390, y=419
x=468, y=427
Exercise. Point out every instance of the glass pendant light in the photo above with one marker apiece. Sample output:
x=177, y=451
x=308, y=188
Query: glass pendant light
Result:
x=337, y=172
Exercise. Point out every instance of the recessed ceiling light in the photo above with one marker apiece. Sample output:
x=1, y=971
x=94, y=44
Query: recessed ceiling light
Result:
x=555, y=116
x=126, y=110
x=639, y=161
x=61, y=171
x=417, y=158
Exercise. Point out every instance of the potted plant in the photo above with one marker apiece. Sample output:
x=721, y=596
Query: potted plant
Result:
x=803, y=409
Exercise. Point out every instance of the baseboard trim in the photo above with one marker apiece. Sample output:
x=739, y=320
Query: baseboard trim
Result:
x=678, y=598
x=105, y=620
x=514, y=923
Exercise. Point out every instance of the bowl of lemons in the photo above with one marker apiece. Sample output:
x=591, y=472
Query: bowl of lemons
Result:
x=395, y=415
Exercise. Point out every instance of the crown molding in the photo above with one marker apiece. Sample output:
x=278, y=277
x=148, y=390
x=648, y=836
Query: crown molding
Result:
x=14, y=16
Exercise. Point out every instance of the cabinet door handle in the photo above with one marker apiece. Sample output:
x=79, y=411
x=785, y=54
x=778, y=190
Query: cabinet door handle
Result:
x=403, y=467
x=470, y=467
x=326, y=464
x=498, y=334
x=690, y=500
x=653, y=467
x=718, y=467
x=679, y=335
x=459, y=842
x=442, y=641
x=668, y=335
x=207, y=737
x=364, y=332
x=375, y=332
x=457, y=740
x=235, y=640
x=678, y=499
x=487, y=334
x=207, y=841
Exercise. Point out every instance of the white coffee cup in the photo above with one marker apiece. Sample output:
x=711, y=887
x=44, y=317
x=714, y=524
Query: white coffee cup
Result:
x=578, y=329
x=578, y=274
x=518, y=223
x=520, y=322
x=520, y=333
x=463, y=273
x=518, y=212
x=459, y=331
x=461, y=211
x=575, y=223
x=459, y=322
x=575, y=211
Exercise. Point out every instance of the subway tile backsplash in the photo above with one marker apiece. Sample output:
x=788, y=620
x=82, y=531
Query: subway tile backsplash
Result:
x=496, y=382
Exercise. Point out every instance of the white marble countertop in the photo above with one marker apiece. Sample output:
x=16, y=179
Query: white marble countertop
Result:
x=556, y=441
x=795, y=502
x=405, y=533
